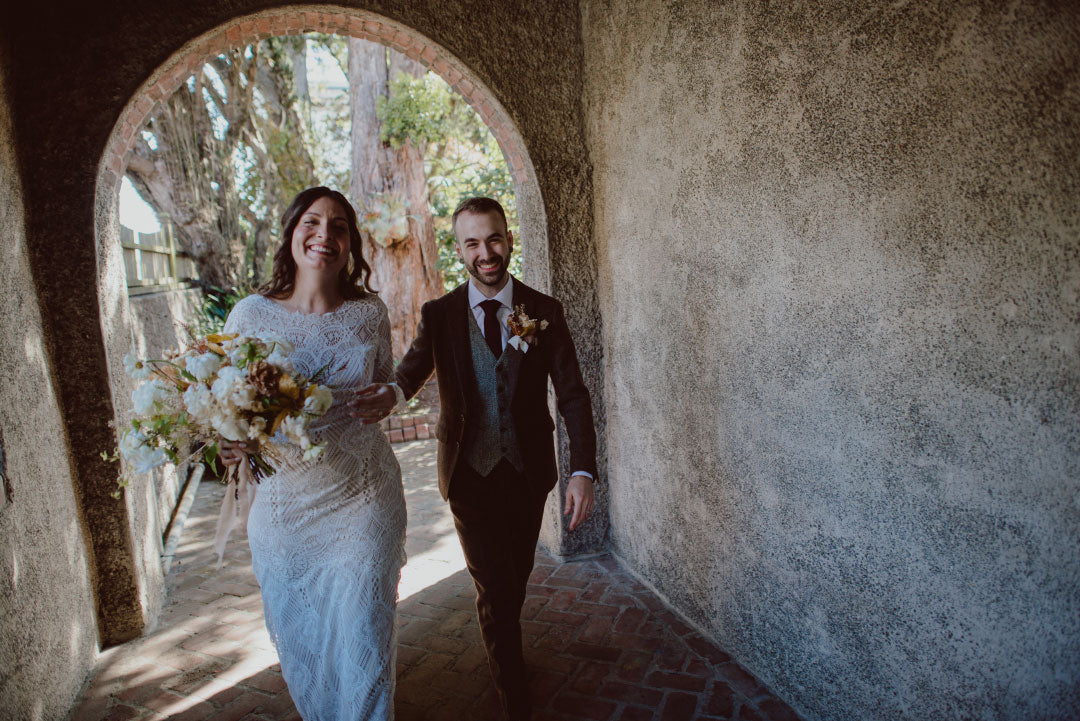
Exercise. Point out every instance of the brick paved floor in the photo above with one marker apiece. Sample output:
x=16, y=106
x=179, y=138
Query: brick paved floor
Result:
x=601, y=645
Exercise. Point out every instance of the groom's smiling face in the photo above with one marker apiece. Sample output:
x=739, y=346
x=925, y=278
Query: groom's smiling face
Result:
x=484, y=246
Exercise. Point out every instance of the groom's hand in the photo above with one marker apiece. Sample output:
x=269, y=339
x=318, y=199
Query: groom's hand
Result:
x=579, y=500
x=373, y=402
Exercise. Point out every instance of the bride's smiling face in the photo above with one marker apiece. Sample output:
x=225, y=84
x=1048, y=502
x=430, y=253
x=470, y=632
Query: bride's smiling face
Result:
x=320, y=242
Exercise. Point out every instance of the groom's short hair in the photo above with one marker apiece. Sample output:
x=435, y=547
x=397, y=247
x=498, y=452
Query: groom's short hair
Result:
x=478, y=204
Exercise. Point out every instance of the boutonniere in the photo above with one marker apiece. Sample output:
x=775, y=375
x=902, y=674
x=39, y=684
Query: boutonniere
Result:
x=524, y=329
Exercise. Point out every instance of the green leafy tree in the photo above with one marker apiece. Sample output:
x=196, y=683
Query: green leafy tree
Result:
x=461, y=158
x=250, y=129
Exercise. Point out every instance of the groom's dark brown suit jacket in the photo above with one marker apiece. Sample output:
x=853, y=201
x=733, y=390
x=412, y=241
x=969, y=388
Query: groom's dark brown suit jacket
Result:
x=442, y=345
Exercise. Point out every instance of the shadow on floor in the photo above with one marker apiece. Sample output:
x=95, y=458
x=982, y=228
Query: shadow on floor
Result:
x=600, y=644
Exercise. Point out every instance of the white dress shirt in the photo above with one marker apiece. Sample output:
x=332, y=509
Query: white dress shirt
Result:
x=506, y=300
x=504, y=296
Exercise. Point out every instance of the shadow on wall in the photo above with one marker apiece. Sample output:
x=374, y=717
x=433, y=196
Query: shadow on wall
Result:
x=47, y=631
x=7, y=492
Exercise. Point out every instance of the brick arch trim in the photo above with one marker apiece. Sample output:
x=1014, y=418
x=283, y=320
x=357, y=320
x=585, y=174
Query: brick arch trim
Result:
x=294, y=21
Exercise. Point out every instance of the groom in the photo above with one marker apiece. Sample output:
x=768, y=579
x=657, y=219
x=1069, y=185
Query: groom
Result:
x=496, y=457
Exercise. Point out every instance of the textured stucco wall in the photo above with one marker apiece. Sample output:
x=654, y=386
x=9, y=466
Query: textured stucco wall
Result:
x=127, y=530
x=839, y=258
x=47, y=628
x=157, y=319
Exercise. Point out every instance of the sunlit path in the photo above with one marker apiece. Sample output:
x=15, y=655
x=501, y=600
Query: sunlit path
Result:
x=600, y=644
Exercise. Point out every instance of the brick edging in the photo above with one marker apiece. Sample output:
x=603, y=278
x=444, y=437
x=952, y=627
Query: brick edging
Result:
x=401, y=429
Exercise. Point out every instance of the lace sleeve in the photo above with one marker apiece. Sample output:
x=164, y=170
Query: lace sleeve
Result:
x=384, y=359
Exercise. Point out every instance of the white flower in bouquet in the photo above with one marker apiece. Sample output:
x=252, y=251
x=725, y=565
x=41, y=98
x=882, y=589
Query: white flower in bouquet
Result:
x=200, y=402
x=318, y=400
x=232, y=388
x=142, y=457
x=257, y=429
x=227, y=376
x=232, y=427
x=280, y=360
x=137, y=369
x=202, y=365
x=277, y=344
x=149, y=397
x=235, y=353
x=295, y=429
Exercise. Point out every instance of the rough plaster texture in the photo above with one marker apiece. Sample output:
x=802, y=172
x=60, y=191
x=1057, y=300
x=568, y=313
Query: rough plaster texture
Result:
x=840, y=279
x=527, y=54
x=47, y=627
x=127, y=530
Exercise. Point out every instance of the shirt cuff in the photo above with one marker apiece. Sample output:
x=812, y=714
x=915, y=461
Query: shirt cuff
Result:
x=583, y=473
x=399, y=396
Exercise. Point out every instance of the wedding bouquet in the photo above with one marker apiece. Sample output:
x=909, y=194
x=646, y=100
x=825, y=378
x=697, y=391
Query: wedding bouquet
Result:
x=222, y=386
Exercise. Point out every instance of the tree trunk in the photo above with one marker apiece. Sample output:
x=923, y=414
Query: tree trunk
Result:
x=406, y=272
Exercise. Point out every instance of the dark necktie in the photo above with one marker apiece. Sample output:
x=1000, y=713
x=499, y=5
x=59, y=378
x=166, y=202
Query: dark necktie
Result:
x=492, y=329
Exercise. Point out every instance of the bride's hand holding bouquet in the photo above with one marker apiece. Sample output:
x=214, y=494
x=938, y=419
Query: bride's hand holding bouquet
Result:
x=232, y=452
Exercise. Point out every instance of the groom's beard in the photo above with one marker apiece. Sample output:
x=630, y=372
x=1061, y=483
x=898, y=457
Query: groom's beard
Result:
x=492, y=277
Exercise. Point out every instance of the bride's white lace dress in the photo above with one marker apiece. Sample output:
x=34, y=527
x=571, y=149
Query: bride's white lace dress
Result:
x=328, y=537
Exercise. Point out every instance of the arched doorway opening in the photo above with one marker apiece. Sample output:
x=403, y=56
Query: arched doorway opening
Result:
x=130, y=595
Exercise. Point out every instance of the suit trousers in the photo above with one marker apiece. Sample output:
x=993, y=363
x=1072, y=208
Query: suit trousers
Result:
x=498, y=518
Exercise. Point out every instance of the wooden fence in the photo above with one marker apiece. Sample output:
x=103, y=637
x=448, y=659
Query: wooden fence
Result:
x=152, y=262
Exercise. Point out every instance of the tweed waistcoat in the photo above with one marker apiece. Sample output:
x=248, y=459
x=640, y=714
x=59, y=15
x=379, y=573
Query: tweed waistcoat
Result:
x=492, y=435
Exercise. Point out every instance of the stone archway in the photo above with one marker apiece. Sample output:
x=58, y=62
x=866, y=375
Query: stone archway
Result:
x=129, y=596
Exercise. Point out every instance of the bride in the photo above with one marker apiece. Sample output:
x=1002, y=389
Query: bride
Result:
x=327, y=536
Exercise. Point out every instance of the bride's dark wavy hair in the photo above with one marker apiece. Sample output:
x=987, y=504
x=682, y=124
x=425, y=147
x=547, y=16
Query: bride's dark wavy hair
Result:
x=356, y=273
